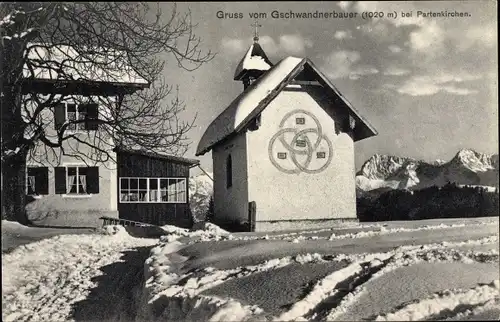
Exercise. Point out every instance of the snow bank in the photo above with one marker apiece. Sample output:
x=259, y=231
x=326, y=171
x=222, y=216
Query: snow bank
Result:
x=12, y=225
x=163, y=297
x=208, y=232
x=378, y=229
x=384, y=231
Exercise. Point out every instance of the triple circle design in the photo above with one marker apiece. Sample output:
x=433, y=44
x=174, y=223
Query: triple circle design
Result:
x=310, y=147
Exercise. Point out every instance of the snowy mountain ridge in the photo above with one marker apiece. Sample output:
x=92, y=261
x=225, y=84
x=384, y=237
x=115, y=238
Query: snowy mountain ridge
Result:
x=467, y=167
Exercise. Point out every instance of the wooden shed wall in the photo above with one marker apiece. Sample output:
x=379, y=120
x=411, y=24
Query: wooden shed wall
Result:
x=133, y=165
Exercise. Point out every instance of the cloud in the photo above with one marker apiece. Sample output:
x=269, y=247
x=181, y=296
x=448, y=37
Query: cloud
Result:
x=428, y=39
x=344, y=5
x=395, y=49
x=396, y=71
x=415, y=88
x=232, y=46
x=458, y=91
x=363, y=71
x=430, y=85
x=268, y=44
x=339, y=63
x=293, y=44
x=377, y=29
x=344, y=63
x=484, y=36
x=343, y=34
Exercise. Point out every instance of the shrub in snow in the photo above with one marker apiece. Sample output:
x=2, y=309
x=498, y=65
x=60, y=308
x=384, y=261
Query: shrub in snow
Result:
x=113, y=230
x=214, y=229
x=170, y=229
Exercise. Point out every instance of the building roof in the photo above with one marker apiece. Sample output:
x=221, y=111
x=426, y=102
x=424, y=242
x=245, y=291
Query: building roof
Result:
x=105, y=66
x=156, y=155
x=257, y=96
x=254, y=60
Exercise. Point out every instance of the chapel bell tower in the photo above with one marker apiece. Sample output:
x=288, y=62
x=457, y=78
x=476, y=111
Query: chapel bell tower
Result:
x=254, y=63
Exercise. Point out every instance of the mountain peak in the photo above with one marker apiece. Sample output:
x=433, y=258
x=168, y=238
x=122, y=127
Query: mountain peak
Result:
x=472, y=160
x=466, y=152
x=380, y=166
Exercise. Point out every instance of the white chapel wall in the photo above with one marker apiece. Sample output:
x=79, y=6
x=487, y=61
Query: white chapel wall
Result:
x=231, y=204
x=326, y=194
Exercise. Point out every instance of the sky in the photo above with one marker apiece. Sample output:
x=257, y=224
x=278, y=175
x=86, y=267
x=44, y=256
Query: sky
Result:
x=427, y=84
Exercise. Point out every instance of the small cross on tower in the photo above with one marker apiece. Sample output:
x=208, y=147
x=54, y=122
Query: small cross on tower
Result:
x=256, y=31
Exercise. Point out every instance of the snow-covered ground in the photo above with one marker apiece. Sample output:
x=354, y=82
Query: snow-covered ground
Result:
x=382, y=271
x=15, y=234
x=73, y=277
x=435, y=269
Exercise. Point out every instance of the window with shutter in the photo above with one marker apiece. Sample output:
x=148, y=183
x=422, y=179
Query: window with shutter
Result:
x=92, y=117
x=37, y=181
x=77, y=180
x=59, y=115
x=93, y=180
x=85, y=116
x=60, y=180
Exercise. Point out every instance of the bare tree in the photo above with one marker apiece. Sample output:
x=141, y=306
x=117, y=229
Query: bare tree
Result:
x=85, y=49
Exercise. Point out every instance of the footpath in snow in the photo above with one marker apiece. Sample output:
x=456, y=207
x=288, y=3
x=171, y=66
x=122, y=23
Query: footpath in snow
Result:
x=74, y=277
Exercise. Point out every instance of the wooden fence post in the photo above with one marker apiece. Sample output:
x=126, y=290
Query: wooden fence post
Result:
x=252, y=211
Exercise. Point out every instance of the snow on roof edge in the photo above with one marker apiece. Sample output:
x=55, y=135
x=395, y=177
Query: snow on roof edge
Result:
x=78, y=70
x=248, y=62
x=157, y=155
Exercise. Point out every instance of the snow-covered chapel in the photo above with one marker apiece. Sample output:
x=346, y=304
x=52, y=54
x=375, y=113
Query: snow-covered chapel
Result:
x=283, y=150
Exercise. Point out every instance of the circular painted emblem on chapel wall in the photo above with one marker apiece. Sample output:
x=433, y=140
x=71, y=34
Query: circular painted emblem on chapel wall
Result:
x=300, y=145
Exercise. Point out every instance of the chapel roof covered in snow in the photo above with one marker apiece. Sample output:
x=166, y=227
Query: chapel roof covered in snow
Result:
x=254, y=60
x=252, y=101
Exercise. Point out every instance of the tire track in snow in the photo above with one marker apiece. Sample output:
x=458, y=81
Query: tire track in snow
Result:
x=329, y=287
x=471, y=310
x=332, y=290
x=445, y=304
x=344, y=289
x=409, y=255
x=195, y=283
